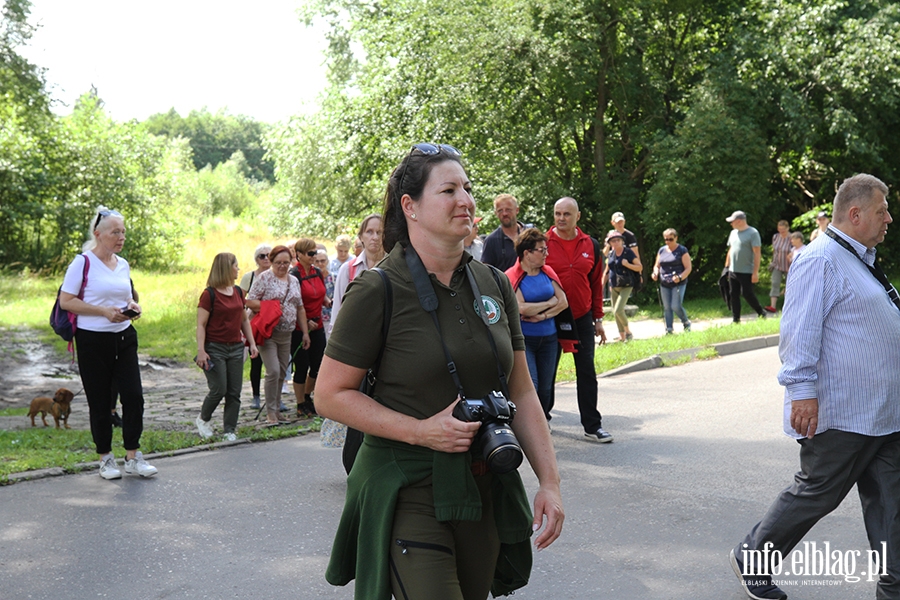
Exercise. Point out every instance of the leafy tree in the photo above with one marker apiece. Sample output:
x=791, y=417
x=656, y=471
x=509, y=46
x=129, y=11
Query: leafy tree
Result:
x=215, y=137
x=716, y=162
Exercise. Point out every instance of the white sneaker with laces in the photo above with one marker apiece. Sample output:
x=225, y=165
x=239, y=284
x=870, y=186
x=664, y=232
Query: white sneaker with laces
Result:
x=230, y=437
x=108, y=468
x=203, y=427
x=139, y=466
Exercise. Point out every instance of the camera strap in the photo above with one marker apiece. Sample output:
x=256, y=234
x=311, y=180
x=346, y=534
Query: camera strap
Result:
x=876, y=270
x=429, y=301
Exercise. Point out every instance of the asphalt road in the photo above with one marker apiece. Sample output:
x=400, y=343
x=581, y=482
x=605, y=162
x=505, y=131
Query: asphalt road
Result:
x=697, y=458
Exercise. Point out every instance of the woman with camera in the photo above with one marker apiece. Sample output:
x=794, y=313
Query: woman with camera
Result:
x=623, y=269
x=672, y=269
x=436, y=521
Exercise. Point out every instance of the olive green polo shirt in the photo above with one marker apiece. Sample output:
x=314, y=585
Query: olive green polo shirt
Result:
x=414, y=378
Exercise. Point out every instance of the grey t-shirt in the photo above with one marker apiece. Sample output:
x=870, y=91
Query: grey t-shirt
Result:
x=740, y=249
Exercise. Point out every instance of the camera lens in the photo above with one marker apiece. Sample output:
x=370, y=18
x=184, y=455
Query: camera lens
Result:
x=501, y=448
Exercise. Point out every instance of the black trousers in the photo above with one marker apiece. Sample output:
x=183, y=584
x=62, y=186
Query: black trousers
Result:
x=308, y=360
x=585, y=374
x=830, y=464
x=256, y=365
x=107, y=361
x=742, y=285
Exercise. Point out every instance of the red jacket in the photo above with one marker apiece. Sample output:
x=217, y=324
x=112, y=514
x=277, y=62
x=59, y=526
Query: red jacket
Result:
x=516, y=274
x=579, y=266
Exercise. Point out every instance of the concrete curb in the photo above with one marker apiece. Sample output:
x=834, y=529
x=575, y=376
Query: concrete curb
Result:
x=722, y=349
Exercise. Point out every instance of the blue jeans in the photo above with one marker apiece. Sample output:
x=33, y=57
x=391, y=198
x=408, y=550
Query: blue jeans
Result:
x=541, y=354
x=672, y=298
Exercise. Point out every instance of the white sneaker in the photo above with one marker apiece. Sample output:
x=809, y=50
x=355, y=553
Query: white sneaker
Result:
x=204, y=428
x=108, y=468
x=139, y=466
x=230, y=437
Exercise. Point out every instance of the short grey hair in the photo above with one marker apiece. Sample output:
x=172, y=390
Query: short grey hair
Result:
x=858, y=190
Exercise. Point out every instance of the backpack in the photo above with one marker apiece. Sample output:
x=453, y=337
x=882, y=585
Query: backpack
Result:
x=64, y=323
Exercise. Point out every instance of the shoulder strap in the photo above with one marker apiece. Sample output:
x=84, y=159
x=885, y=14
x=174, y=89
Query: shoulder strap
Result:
x=598, y=252
x=240, y=292
x=212, y=299
x=372, y=374
x=875, y=270
x=501, y=374
x=84, y=275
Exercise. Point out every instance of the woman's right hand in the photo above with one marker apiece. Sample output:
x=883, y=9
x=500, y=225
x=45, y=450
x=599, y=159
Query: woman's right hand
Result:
x=114, y=315
x=445, y=433
x=202, y=360
x=655, y=275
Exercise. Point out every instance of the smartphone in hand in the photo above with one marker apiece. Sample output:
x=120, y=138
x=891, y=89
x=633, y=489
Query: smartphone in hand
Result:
x=130, y=313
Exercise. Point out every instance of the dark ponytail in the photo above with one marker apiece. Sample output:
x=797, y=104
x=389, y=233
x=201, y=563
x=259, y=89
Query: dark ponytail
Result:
x=412, y=173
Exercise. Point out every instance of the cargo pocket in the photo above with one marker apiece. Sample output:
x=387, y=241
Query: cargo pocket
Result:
x=412, y=549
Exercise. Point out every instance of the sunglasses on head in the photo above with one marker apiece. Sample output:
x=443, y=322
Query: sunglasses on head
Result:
x=106, y=213
x=428, y=150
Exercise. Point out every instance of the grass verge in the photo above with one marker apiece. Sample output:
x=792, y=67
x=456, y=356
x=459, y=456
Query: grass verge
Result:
x=613, y=356
x=40, y=448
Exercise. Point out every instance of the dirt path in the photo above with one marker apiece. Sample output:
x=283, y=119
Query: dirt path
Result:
x=172, y=391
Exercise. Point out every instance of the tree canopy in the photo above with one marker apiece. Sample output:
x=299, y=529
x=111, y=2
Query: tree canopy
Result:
x=215, y=137
x=676, y=112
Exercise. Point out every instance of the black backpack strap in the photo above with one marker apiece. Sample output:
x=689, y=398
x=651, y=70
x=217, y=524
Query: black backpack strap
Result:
x=212, y=301
x=386, y=325
x=598, y=252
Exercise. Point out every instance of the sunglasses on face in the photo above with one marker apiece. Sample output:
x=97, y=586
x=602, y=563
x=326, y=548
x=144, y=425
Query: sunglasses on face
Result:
x=262, y=257
x=669, y=239
x=543, y=250
x=312, y=253
x=428, y=150
x=105, y=213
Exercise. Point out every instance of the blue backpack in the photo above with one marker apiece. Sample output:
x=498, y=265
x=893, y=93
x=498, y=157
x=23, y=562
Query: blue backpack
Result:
x=63, y=322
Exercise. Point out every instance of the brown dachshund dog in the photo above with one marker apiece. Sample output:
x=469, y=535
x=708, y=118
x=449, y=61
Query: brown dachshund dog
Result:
x=59, y=406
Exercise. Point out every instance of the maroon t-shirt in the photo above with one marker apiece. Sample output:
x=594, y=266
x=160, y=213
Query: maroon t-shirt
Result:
x=224, y=324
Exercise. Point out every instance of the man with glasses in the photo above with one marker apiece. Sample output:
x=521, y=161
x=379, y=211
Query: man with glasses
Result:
x=577, y=261
x=841, y=376
x=500, y=246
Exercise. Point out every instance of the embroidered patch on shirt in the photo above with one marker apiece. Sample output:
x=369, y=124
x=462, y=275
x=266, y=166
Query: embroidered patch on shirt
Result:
x=491, y=308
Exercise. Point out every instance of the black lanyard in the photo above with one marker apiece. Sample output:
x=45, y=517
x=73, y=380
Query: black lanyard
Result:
x=875, y=270
x=429, y=301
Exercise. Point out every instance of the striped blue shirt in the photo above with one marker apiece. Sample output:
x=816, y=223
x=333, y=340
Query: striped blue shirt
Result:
x=840, y=341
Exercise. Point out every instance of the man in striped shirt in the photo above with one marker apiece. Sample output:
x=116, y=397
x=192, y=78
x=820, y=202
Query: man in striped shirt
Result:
x=840, y=353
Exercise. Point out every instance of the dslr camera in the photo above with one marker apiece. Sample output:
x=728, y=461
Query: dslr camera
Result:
x=495, y=438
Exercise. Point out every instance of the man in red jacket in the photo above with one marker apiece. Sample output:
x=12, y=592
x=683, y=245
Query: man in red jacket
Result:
x=577, y=260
